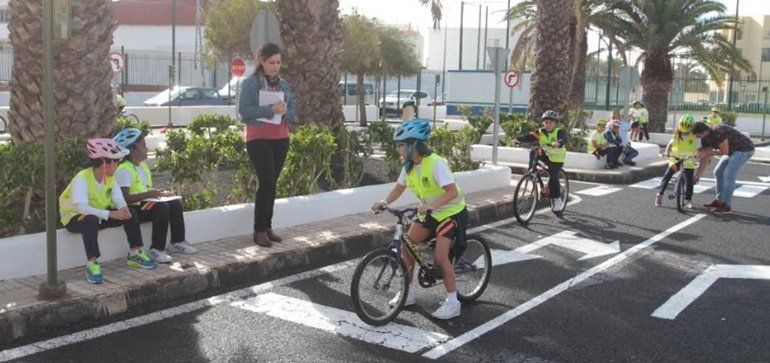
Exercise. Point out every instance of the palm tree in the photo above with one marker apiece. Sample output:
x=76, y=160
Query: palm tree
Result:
x=552, y=70
x=312, y=37
x=435, y=9
x=661, y=29
x=83, y=98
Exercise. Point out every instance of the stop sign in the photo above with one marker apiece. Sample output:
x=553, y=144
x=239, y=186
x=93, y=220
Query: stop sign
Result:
x=238, y=67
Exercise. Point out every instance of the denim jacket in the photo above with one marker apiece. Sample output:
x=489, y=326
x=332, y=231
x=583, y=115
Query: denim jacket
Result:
x=248, y=102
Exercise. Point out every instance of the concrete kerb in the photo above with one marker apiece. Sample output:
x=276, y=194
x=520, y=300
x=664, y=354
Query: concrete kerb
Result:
x=45, y=318
x=623, y=175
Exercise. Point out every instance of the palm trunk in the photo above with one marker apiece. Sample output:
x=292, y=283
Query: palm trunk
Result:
x=657, y=78
x=552, y=70
x=577, y=82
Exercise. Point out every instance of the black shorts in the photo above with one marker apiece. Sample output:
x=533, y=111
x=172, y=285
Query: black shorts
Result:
x=635, y=124
x=451, y=227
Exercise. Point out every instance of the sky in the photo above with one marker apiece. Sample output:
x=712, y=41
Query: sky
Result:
x=411, y=12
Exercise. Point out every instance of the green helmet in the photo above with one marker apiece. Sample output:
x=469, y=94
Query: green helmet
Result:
x=686, y=123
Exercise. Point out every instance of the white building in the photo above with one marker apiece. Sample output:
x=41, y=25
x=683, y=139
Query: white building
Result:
x=145, y=25
x=470, y=49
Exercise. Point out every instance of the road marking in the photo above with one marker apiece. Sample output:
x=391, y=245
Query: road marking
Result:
x=742, y=182
x=702, y=186
x=677, y=303
x=101, y=331
x=599, y=191
x=647, y=184
x=502, y=257
x=570, y=240
x=764, y=178
x=573, y=199
x=341, y=322
x=84, y=335
x=477, y=332
x=748, y=191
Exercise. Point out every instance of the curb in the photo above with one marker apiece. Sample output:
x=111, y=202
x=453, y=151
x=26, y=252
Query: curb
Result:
x=626, y=176
x=49, y=318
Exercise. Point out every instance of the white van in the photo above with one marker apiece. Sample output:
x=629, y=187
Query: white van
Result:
x=351, y=88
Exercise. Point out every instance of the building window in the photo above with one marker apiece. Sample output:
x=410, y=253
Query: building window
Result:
x=5, y=16
x=766, y=54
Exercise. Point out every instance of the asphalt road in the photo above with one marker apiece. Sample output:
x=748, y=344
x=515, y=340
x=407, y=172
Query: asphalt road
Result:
x=625, y=305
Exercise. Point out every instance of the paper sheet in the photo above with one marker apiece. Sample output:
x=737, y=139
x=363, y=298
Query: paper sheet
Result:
x=268, y=98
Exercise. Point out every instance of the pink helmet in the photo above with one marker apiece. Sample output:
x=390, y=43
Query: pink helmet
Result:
x=105, y=148
x=615, y=123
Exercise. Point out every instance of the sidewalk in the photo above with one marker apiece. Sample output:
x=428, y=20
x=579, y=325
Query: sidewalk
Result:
x=220, y=266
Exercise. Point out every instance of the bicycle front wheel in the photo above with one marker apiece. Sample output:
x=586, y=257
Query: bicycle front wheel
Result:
x=379, y=277
x=473, y=269
x=681, y=185
x=525, y=198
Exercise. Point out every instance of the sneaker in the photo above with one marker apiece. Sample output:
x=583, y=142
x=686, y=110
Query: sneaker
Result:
x=557, y=202
x=141, y=260
x=448, y=310
x=183, y=247
x=94, y=273
x=160, y=256
x=713, y=203
x=629, y=163
x=409, y=300
x=689, y=205
x=721, y=208
x=658, y=200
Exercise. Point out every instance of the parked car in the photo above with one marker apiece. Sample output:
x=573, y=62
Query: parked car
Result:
x=186, y=96
x=229, y=92
x=351, y=88
x=397, y=100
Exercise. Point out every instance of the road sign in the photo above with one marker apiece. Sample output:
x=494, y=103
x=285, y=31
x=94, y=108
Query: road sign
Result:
x=264, y=29
x=118, y=62
x=677, y=303
x=512, y=78
x=237, y=67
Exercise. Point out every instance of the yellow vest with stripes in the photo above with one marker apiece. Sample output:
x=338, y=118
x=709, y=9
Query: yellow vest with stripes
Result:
x=682, y=148
x=424, y=186
x=96, y=199
x=136, y=185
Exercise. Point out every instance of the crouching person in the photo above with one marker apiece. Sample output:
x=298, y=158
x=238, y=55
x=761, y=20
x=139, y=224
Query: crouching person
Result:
x=135, y=180
x=597, y=143
x=92, y=201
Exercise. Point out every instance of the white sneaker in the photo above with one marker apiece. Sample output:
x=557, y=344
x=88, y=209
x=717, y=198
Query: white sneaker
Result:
x=183, y=247
x=557, y=203
x=160, y=256
x=448, y=310
x=409, y=300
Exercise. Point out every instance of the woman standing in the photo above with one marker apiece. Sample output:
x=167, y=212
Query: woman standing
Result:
x=266, y=142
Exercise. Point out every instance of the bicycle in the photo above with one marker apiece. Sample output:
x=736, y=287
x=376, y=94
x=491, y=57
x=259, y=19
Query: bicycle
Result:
x=680, y=182
x=5, y=125
x=128, y=116
x=382, y=273
x=526, y=196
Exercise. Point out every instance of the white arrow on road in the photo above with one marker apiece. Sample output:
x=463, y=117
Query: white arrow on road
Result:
x=566, y=239
x=570, y=240
x=677, y=303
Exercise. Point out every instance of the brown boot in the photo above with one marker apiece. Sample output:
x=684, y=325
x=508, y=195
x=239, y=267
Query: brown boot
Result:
x=260, y=238
x=272, y=236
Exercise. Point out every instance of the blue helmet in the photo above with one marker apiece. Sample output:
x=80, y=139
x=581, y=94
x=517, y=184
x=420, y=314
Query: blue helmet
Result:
x=413, y=129
x=128, y=137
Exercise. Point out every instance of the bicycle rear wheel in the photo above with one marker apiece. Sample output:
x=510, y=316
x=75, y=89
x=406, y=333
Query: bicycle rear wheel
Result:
x=473, y=269
x=378, y=278
x=525, y=198
x=131, y=117
x=681, y=185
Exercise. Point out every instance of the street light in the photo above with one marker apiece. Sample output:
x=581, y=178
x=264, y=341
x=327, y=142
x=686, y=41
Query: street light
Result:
x=764, y=112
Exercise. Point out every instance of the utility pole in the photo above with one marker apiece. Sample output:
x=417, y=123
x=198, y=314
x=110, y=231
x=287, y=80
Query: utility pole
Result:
x=462, y=14
x=478, y=41
x=508, y=34
x=486, y=37
x=609, y=76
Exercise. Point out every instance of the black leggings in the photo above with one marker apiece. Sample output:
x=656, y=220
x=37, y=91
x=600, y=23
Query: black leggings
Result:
x=670, y=174
x=267, y=158
x=553, y=176
x=162, y=215
x=644, y=133
x=89, y=227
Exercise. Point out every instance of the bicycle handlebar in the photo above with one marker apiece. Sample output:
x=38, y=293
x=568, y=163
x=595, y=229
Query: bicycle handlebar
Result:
x=409, y=213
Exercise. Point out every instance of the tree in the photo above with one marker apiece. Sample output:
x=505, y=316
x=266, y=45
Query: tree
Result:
x=312, y=36
x=552, y=71
x=661, y=29
x=361, y=53
x=436, y=11
x=83, y=97
x=396, y=52
x=228, y=27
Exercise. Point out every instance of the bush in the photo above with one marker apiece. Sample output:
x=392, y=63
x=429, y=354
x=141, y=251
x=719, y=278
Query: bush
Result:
x=380, y=132
x=729, y=117
x=22, y=177
x=353, y=148
x=310, y=154
x=516, y=126
x=142, y=125
x=455, y=146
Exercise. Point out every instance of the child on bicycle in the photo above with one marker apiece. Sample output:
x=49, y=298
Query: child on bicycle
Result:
x=553, y=153
x=441, y=213
x=135, y=180
x=682, y=150
x=92, y=201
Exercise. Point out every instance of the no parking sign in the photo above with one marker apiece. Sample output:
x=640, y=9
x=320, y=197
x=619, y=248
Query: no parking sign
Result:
x=512, y=78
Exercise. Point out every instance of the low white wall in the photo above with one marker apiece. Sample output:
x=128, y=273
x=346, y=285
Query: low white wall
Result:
x=762, y=153
x=26, y=255
x=648, y=153
x=180, y=116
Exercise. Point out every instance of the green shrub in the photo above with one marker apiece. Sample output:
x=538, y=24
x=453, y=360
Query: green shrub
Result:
x=729, y=117
x=380, y=132
x=142, y=125
x=310, y=154
x=455, y=146
x=353, y=147
x=517, y=126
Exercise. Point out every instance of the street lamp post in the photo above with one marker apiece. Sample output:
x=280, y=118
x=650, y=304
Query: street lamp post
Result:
x=732, y=63
x=764, y=112
x=52, y=288
x=462, y=14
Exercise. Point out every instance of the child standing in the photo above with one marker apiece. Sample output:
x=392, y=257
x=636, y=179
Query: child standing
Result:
x=92, y=201
x=682, y=150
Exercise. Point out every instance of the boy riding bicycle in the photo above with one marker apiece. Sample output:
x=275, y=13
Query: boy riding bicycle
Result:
x=441, y=213
x=682, y=150
x=552, y=141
